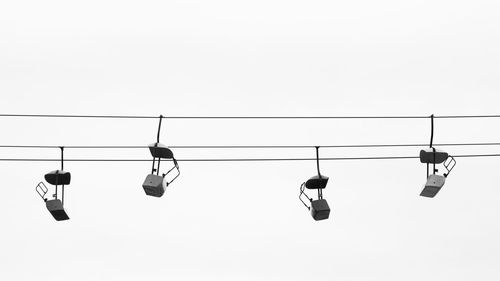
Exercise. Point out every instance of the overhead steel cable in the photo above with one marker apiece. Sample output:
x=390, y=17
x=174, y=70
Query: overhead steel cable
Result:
x=250, y=146
x=245, y=117
x=78, y=116
x=240, y=159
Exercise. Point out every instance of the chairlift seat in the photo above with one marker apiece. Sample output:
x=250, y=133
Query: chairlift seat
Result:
x=433, y=186
x=430, y=156
x=320, y=209
x=56, y=209
x=317, y=182
x=153, y=185
x=58, y=177
x=159, y=150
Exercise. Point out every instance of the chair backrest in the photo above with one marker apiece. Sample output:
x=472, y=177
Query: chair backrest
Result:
x=159, y=150
x=58, y=177
x=317, y=182
x=429, y=156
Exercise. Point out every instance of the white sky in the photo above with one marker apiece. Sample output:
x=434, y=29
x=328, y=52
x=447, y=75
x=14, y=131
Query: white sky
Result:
x=243, y=221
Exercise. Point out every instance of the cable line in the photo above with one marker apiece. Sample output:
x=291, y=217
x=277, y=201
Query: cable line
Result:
x=245, y=117
x=239, y=159
x=249, y=146
x=79, y=116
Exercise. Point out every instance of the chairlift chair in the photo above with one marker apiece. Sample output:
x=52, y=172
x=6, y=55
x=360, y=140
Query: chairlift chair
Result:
x=433, y=156
x=155, y=184
x=319, y=208
x=57, y=178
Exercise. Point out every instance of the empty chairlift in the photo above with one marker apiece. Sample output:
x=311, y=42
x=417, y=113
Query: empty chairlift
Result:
x=156, y=184
x=319, y=207
x=433, y=156
x=55, y=203
x=434, y=181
